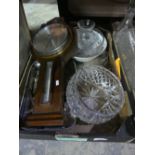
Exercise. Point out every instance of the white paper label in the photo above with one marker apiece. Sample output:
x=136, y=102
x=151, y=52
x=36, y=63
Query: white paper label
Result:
x=57, y=82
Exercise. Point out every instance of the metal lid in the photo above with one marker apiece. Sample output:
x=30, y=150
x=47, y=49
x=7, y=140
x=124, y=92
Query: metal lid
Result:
x=50, y=40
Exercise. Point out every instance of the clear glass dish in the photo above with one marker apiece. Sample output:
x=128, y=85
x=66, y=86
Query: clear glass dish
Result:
x=94, y=94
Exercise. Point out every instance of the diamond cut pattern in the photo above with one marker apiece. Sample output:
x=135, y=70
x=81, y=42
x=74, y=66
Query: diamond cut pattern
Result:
x=95, y=94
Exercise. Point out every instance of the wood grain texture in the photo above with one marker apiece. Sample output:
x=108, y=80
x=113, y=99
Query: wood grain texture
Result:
x=44, y=123
x=45, y=117
x=56, y=102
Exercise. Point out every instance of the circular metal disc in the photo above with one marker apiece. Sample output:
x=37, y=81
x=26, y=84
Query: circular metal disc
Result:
x=50, y=40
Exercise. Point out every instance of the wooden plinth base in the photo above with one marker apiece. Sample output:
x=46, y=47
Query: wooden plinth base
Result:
x=36, y=120
x=48, y=114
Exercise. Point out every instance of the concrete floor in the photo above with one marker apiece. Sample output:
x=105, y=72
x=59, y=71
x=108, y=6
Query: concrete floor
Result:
x=38, y=13
x=44, y=147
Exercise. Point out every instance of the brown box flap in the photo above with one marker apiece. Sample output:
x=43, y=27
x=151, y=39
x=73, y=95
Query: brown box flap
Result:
x=98, y=8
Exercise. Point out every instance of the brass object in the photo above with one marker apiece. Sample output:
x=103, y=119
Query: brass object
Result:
x=62, y=52
x=49, y=46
